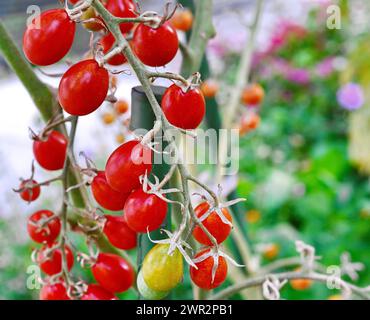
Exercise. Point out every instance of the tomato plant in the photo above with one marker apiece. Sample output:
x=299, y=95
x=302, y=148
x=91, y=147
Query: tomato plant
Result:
x=41, y=229
x=144, y=212
x=122, y=9
x=96, y=292
x=113, y=273
x=51, y=262
x=127, y=164
x=155, y=47
x=78, y=83
x=183, y=109
x=213, y=223
x=49, y=37
x=50, y=152
x=30, y=190
x=253, y=94
x=107, y=43
x=119, y=233
x=105, y=196
x=56, y=291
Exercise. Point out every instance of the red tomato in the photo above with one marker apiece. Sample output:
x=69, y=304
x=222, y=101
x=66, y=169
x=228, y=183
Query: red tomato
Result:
x=155, y=47
x=29, y=194
x=49, y=37
x=126, y=164
x=53, y=264
x=46, y=234
x=113, y=273
x=144, y=211
x=56, y=291
x=118, y=233
x=183, y=109
x=51, y=152
x=122, y=9
x=107, y=42
x=83, y=88
x=213, y=224
x=96, y=292
x=73, y=1
x=253, y=94
x=202, y=276
x=105, y=196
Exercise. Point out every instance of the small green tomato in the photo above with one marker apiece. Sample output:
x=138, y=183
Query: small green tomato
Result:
x=161, y=271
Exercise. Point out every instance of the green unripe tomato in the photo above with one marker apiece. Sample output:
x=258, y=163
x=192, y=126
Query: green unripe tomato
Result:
x=147, y=292
x=162, y=272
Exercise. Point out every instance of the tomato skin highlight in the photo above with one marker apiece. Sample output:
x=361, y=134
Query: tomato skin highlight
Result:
x=107, y=43
x=162, y=272
x=184, y=110
x=126, y=164
x=118, y=233
x=122, y=9
x=83, y=88
x=53, y=264
x=213, y=224
x=155, y=47
x=31, y=194
x=113, y=273
x=48, y=233
x=96, y=292
x=105, y=196
x=202, y=276
x=144, y=212
x=56, y=291
x=51, y=153
x=53, y=39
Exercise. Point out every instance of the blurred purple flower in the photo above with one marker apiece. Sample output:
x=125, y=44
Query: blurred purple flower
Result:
x=216, y=47
x=325, y=68
x=300, y=76
x=350, y=96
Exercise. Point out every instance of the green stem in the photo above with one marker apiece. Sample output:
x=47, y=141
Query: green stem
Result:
x=40, y=93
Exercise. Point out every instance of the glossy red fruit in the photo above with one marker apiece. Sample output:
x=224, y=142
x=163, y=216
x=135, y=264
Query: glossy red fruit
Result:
x=107, y=43
x=144, y=212
x=213, y=224
x=105, y=196
x=96, y=292
x=53, y=264
x=49, y=37
x=126, y=164
x=49, y=232
x=51, y=152
x=73, y=1
x=113, y=273
x=155, y=47
x=184, y=109
x=32, y=192
x=118, y=233
x=56, y=291
x=83, y=88
x=202, y=276
x=122, y=9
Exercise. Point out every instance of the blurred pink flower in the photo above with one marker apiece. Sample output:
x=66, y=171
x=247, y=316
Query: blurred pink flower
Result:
x=351, y=96
x=325, y=68
x=300, y=76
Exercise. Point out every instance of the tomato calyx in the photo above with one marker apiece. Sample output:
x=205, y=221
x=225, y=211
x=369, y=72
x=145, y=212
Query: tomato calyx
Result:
x=175, y=243
x=154, y=20
x=77, y=10
x=215, y=253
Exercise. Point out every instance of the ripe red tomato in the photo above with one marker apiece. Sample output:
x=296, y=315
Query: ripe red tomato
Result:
x=96, y=292
x=155, y=47
x=202, y=276
x=113, y=273
x=213, y=224
x=56, y=291
x=46, y=234
x=51, y=152
x=253, y=94
x=126, y=164
x=144, y=211
x=83, y=88
x=53, y=264
x=122, y=9
x=183, y=109
x=118, y=233
x=107, y=42
x=105, y=196
x=49, y=37
x=73, y=1
x=32, y=193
